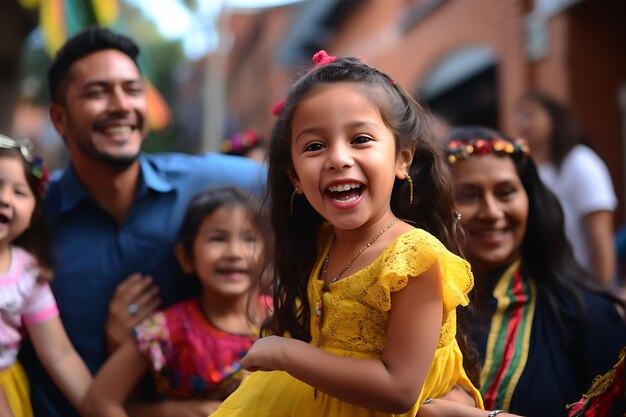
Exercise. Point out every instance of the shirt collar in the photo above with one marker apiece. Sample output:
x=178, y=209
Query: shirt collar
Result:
x=153, y=179
x=73, y=191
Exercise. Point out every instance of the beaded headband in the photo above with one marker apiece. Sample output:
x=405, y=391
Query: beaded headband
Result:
x=37, y=167
x=462, y=149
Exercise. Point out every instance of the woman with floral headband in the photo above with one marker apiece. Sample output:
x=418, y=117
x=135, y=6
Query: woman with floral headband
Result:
x=26, y=301
x=542, y=332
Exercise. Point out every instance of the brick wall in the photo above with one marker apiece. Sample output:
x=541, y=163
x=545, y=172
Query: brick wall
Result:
x=585, y=58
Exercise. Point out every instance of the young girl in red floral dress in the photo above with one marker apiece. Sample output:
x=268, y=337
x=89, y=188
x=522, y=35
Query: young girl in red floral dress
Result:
x=194, y=348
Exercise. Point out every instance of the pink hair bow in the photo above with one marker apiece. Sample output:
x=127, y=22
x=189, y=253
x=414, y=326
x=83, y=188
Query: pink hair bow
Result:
x=322, y=58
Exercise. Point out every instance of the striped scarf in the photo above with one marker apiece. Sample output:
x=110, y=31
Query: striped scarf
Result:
x=509, y=337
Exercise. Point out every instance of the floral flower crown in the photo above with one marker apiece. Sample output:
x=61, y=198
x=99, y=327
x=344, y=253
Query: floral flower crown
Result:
x=461, y=149
x=37, y=167
x=241, y=142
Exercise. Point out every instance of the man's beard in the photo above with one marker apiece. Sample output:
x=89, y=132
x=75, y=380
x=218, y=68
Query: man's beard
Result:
x=120, y=161
x=123, y=161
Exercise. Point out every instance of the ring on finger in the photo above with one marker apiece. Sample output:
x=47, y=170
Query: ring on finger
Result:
x=133, y=309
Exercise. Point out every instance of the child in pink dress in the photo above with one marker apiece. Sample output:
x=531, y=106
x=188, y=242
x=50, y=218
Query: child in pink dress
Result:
x=27, y=306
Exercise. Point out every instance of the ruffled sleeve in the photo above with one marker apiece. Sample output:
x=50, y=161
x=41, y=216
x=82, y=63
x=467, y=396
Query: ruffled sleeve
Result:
x=412, y=254
x=153, y=339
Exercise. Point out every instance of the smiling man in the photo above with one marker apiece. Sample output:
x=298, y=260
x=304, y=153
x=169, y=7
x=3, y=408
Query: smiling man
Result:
x=115, y=211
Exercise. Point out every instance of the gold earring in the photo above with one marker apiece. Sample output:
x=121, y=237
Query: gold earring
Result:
x=410, y=180
x=293, y=197
x=457, y=216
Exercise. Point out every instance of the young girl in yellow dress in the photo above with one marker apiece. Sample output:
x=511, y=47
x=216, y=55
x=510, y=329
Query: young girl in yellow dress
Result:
x=365, y=288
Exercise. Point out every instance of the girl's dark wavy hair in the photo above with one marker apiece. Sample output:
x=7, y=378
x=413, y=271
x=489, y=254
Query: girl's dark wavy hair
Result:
x=35, y=239
x=545, y=250
x=205, y=202
x=296, y=234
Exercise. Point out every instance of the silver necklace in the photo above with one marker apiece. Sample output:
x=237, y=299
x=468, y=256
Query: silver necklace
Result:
x=349, y=264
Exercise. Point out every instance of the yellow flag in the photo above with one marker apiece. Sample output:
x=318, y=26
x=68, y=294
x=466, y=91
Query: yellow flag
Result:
x=52, y=22
x=106, y=11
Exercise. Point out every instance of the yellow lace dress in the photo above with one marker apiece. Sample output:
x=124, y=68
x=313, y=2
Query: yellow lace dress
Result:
x=352, y=322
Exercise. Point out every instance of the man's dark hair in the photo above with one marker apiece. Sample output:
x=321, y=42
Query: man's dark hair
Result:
x=90, y=40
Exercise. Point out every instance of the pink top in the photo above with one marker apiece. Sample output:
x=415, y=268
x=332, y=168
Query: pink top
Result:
x=23, y=302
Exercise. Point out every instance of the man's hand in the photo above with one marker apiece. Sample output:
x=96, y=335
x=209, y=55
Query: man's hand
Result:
x=135, y=298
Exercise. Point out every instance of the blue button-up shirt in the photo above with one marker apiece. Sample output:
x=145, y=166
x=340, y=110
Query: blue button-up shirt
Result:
x=92, y=253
